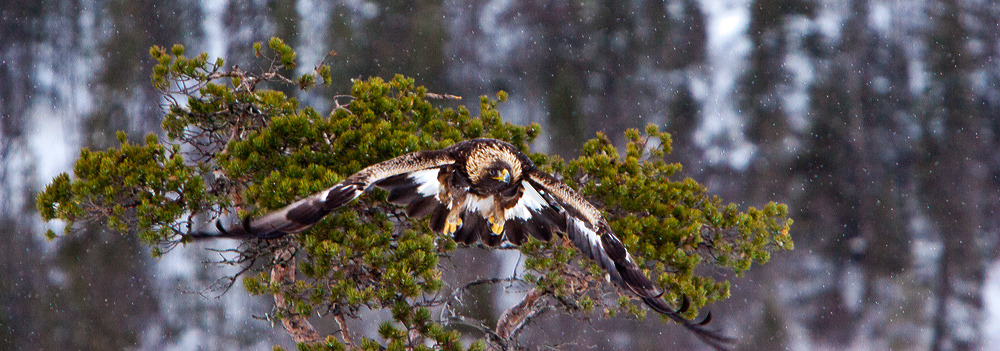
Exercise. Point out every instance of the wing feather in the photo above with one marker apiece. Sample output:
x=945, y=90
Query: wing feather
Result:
x=590, y=233
x=532, y=214
x=416, y=161
x=305, y=213
x=589, y=242
x=422, y=207
x=420, y=191
x=515, y=232
x=439, y=216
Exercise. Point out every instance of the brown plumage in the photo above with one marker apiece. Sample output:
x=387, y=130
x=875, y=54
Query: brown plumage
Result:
x=479, y=190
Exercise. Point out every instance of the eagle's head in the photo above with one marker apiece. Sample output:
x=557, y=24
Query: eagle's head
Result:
x=502, y=174
x=499, y=177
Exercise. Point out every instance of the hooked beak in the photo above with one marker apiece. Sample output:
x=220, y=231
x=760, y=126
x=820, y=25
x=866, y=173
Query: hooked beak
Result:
x=503, y=176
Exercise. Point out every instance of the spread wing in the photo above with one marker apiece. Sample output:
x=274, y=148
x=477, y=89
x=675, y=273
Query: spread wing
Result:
x=303, y=214
x=423, y=192
x=545, y=199
x=533, y=214
x=585, y=226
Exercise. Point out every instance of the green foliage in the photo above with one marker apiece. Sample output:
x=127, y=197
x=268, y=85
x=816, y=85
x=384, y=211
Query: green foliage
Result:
x=259, y=150
x=670, y=226
x=140, y=188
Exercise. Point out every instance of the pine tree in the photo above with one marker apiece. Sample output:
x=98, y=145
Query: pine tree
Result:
x=236, y=143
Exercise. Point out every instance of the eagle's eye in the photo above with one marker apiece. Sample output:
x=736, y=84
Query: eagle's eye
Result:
x=502, y=175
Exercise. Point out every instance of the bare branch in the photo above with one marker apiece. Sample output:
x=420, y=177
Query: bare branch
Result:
x=297, y=325
x=513, y=319
x=442, y=96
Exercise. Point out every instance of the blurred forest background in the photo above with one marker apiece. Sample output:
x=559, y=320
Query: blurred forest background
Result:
x=875, y=120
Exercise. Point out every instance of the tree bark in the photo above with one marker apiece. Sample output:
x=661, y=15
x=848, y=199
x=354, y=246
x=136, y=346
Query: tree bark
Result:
x=512, y=320
x=297, y=325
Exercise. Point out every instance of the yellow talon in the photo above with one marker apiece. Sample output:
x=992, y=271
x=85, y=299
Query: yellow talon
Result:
x=496, y=226
x=450, y=227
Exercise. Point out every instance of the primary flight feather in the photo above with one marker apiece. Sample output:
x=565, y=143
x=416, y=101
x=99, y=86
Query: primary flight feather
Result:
x=479, y=190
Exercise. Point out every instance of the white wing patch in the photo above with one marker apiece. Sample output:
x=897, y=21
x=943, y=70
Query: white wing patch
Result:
x=518, y=211
x=589, y=242
x=531, y=198
x=591, y=235
x=322, y=194
x=428, y=180
x=530, y=201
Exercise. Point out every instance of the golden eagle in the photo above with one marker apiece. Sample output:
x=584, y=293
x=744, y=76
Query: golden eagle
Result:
x=479, y=190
